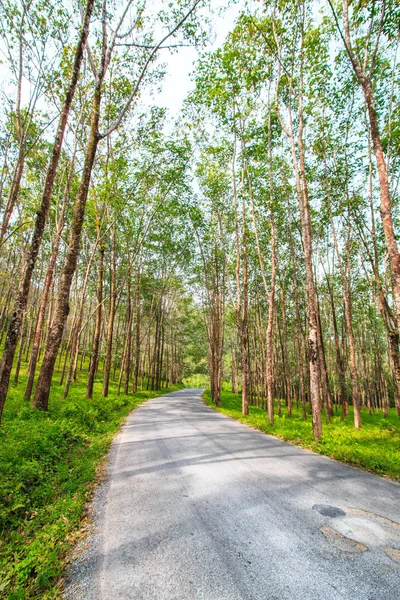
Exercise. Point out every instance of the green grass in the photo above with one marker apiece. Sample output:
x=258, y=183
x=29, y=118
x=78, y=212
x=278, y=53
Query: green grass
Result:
x=375, y=447
x=197, y=380
x=49, y=463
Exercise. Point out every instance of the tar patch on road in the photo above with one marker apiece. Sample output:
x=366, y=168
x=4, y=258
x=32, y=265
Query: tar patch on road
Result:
x=356, y=530
x=329, y=511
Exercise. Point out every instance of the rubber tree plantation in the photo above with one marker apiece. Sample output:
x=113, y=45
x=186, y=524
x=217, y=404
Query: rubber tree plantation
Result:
x=244, y=241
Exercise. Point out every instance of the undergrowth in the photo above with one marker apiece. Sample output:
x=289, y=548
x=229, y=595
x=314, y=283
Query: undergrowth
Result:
x=48, y=465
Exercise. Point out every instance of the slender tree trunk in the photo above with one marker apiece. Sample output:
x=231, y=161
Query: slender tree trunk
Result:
x=14, y=191
x=78, y=330
x=324, y=372
x=311, y=295
x=365, y=83
x=167, y=359
x=111, y=319
x=304, y=207
x=394, y=354
x=41, y=217
x=62, y=308
x=235, y=375
x=339, y=359
x=385, y=200
x=97, y=328
x=299, y=334
x=286, y=356
x=155, y=346
x=21, y=347
x=122, y=367
x=27, y=348
x=129, y=335
x=68, y=346
x=271, y=313
x=138, y=333
x=46, y=290
x=244, y=316
x=349, y=324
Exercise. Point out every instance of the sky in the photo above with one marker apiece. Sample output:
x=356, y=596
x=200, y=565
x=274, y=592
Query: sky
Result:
x=177, y=82
x=179, y=65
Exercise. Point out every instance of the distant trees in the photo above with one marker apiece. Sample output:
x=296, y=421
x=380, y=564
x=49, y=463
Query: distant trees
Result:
x=261, y=233
x=297, y=127
x=114, y=33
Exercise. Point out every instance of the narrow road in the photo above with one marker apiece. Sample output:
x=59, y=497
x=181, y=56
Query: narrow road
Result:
x=198, y=506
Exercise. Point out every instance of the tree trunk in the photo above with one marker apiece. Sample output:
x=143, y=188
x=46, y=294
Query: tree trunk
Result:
x=324, y=372
x=346, y=286
x=21, y=347
x=41, y=217
x=394, y=354
x=46, y=290
x=244, y=316
x=299, y=333
x=62, y=308
x=14, y=191
x=304, y=207
x=111, y=319
x=138, y=331
x=78, y=330
x=271, y=313
x=311, y=295
x=339, y=359
x=385, y=201
x=235, y=375
x=286, y=357
x=128, y=359
x=97, y=328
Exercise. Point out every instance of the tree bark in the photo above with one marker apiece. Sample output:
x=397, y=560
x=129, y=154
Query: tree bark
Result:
x=97, y=328
x=346, y=286
x=41, y=217
x=339, y=359
x=62, y=308
x=286, y=356
x=128, y=358
x=111, y=318
x=138, y=332
x=365, y=81
x=46, y=291
x=14, y=191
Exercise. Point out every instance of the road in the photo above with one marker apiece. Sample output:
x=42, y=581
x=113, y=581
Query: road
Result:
x=198, y=506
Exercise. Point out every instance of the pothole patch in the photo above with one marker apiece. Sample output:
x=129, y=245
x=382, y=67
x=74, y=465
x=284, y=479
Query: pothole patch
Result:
x=365, y=531
x=341, y=542
x=356, y=530
x=393, y=553
x=329, y=511
x=357, y=512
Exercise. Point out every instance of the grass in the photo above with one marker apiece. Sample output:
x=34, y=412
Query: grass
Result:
x=375, y=447
x=48, y=466
x=49, y=463
x=197, y=380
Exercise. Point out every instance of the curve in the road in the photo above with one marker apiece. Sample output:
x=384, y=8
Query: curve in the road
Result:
x=198, y=506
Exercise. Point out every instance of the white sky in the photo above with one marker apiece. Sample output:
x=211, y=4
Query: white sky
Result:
x=179, y=65
x=177, y=82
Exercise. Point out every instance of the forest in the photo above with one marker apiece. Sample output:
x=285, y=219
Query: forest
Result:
x=246, y=244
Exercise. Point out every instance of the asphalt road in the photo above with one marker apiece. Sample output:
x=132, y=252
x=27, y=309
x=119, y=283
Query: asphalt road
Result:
x=198, y=506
